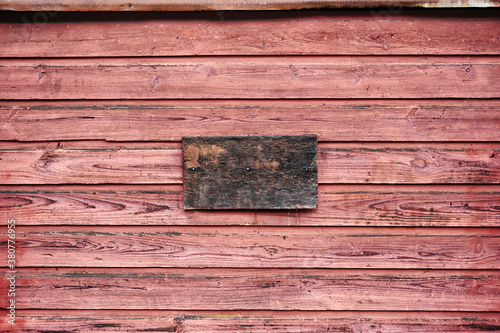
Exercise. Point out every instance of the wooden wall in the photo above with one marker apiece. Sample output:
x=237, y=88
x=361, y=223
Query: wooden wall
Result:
x=406, y=109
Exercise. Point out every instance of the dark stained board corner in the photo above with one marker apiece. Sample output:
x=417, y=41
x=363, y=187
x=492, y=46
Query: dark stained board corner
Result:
x=250, y=172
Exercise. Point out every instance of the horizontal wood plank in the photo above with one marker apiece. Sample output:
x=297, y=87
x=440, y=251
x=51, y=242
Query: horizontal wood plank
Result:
x=191, y=5
x=413, y=163
x=315, y=34
x=39, y=321
x=162, y=165
x=362, y=205
x=337, y=163
x=251, y=247
x=247, y=289
x=251, y=77
x=250, y=172
x=241, y=270
x=371, y=120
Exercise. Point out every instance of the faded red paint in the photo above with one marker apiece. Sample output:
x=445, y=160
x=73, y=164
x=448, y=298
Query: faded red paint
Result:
x=404, y=222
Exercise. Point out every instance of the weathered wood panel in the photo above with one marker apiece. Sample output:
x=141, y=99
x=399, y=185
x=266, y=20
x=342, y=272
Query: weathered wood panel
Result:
x=93, y=166
x=251, y=247
x=161, y=163
x=251, y=77
x=189, y=5
x=39, y=321
x=320, y=33
x=247, y=289
x=409, y=206
x=257, y=172
x=371, y=120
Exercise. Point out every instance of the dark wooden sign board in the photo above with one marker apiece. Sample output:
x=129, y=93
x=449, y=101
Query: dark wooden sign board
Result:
x=252, y=172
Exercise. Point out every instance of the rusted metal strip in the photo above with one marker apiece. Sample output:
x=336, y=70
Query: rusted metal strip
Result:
x=194, y=5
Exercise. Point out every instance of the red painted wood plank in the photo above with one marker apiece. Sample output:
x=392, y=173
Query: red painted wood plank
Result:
x=38, y=321
x=251, y=77
x=378, y=163
x=256, y=247
x=315, y=34
x=362, y=205
x=162, y=165
x=247, y=289
x=371, y=120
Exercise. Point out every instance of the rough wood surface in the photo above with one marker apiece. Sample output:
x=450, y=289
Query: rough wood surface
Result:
x=40, y=321
x=256, y=247
x=252, y=172
x=251, y=77
x=161, y=163
x=407, y=222
x=411, y=164
x=190, y=5
x=313, y=33
x=256, y=289
x=361, y=205
x=371, y=120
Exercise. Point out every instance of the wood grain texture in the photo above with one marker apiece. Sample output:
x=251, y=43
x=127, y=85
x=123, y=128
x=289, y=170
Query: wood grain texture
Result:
x=371, y=120
x=262, y=289
x=251, y=77
x=256, y=172
x=190, y=5
x=93, y=166
x=256, y=247
x=408, y=206
x=39, y=321
x=315, y=33
x=161, y=163
x=412, y=164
